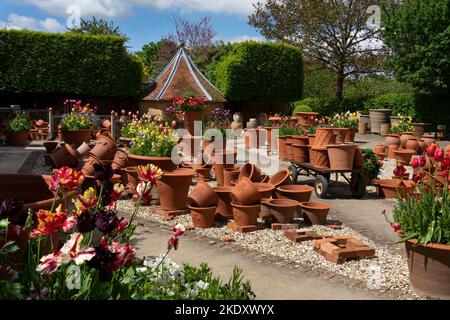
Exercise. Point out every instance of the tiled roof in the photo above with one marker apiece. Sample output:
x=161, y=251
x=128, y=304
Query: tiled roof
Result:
x=182, y=75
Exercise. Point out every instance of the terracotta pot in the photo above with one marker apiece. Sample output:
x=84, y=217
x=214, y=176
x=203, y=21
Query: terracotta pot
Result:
x=315, y=212
x=283, y=210
x=311, y=139
x=164, y=163
x=280, y=178
x=404, y=155
x=323, y=137
x=289, y=151
x=250, y=171
x=173, y=188
x=395, y=188
x=358, y=161
x=422, y=147
x=340, y=134
x=429, y=269
x=245, y=193
x=106, y=123
x=304, y=117
x=222, y=161
x=245, y=215
x=421, y=128
x=390, y=151
x=65, y=156
x=76, y=137
x=203, y=172
x=379, y=148
x=297, y=192
x=229, y=175
x=203, y=217
x=412, y=144
x=17, y=138
x=83, y=149
x=350, y=136
x=88, y=167
x=341, y=156
x=104, y=149
x=319, y=157
x=428, y=139
x=381, y=156
x=404, y=137
x=120, y=159
x=132, y=176
x=377, y=117
x=50, y=146
x=282, y=152
x=251, y=138
x=190, y=117
x=392, y=139
x=103, y=133
x=203, y=196
x=300, y=140
x=301, y=153
x=265, y=189
x=362, y=127
x=224, y=209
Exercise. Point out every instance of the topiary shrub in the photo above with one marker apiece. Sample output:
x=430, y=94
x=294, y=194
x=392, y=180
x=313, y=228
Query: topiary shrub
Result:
x=301, y=108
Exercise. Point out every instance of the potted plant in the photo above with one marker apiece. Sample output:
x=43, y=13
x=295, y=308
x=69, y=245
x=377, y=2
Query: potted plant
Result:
x=285, y=133
x=423, y=224
x=18, y=129
x=371, y=165
x=404, y=128
x=191, y=107
x=78, y=123
x=172, y=115
x=347, y=126
x=217, y=129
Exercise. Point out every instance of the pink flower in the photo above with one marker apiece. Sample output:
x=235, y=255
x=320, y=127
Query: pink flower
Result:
x=173, y=243
x=431, y=149
x=395, y=226
x=144, y=191
x=422, y=161
x=439, y=154
x=125, y=254
x=122, y=225
x=67, y=179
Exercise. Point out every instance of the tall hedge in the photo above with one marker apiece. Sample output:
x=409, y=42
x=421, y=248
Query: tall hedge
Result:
x=266, y=72
x=91, y=65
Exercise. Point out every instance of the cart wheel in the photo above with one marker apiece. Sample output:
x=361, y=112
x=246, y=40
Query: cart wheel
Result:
x=321, y=186
x=293, y=173
x=357, y=185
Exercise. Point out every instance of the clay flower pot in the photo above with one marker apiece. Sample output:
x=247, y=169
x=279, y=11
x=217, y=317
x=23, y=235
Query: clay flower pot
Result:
x=319, y=157
x=297, y=192
x=223, y=160
x=282, y=152
x=315, y=212
x=76, y=137
x=377, y=117
x=412, y=144
x=83, y=149
x=203, y=196
x=17, y=138
x=392, y=139
x=203, y=217
x=323, y=137
x=245, y=193
x=203, y=172
x=311, y=139
x=340, y=134
x=50, y=146
x=404, y=155
x=88, y=167
x=164, y=163
x=404, y=137
x=230, y=174
x=104, y=149
x=395, y=188
x=280, y=178
x=422, y=147
x=173, y=188
x=106, y=123
x=132, y=176
x=390, y=151
x=224, y=209
x=350, y=136
x=283, y=210
x=428, y=139
x=265, y=189
x=250, y=171
x=103, y=133
x=358, y=161
x=120, y=159
x=246, y=215
x=300, y=140
x=301, y=153
x=379, y=148
x=190, y=117
x=265, y=178
x=289, y=151
x=341, y=156
x=65, y=156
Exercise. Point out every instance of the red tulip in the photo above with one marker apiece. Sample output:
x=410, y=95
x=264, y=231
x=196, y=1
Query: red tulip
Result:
x=431, y=149
x=395, y=226
x=422, y=162
x=415, y=162
x=439, y=154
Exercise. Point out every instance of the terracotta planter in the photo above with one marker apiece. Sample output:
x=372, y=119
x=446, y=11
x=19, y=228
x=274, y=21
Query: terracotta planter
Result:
x=384, y=129
x=319, y=157
x=300, y=140
x=421, y=128
x=17, y=138
x=305, y=117
x=265, y=189
x=350, y=136
x=83, y=149
x=190, y=117
x=283, y=210
x=395, y=188
x=323, y=137
x=76, y=137
x=50, y=146
x=280, y=178
x=229, y=175
x=132, y=176
x=106, y=123
x=392, y=139
x=120, y=159
x=245, y=215
x=311, y=139
x=315, y=213
x=404, y=137
x=379, y=148
x=412, y=144
x=203, y=172
x=103, y=133
x=341, y=156
x=365, y=121
x=362, y=128
x=428, y=139
x=265, y=178
x=422, y=147
x=340, y=134
x=222, y=161
x=65, y=156
x=404, y=155
x=250, y=171
x=165, y=163
x=245, y=193
x=289, y=151
x=104, y=149
x=203, y=196
x=282, y=152
x=297, y=192
x=377, y=117
x=301, y=153
x=390, y=151
x=88, y=167
x=358, y=161
x=203, y=217
x=173, y=188
x=224, y=209
x=429, y=269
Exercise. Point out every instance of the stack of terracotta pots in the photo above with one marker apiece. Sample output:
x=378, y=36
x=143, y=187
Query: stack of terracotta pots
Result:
x=221, y=161
x=246, y=203
x=403, y=147
x=319, y=154
x=203, y=202
x=39, y=130
x=103, y=151
x=300, y=147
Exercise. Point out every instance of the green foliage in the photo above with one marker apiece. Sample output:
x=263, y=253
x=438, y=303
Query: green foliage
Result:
x=92, y=65
x=95, y=26
x=252, y=71
x=319, y=81
x=298, y=107
x=20, y=122
x=371, y=163
x=400, y=103
x=418, y=34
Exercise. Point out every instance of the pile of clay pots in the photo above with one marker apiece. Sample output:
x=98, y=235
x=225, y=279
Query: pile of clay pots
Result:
x=40, y=130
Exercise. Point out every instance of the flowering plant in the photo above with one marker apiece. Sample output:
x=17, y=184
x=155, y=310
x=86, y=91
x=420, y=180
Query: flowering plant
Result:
x=188, y=102
x=79, y=117
x=19, y=123
x=402, y=125
x=153, y=140
x=346, y=120
x=220, y=121
x=289, y=127
x=171, y=114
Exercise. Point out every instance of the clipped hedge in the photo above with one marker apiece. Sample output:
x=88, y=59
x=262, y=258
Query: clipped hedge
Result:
x=400, y=104
x=266, y=72
x=301, y=108
x=91, y=65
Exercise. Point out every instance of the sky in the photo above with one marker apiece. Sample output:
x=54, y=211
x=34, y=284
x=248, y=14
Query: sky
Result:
x=142, y=21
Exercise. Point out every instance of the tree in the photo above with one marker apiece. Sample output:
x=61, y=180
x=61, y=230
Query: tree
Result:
x=95, y=26
x=418, y=35
x=334, y=33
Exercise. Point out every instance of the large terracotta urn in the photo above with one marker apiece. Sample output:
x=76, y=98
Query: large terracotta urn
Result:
x=173, y=188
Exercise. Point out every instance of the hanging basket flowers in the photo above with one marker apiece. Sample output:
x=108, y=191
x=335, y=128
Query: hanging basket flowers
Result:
x=188, y=102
